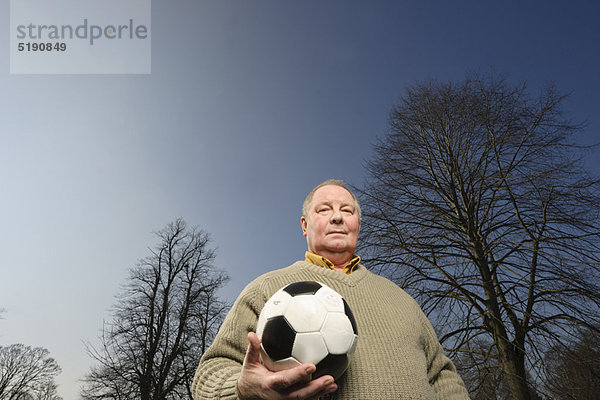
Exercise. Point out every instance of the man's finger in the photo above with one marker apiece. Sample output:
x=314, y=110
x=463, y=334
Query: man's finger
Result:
x=253, y=352
x=313, y=389
x=285, y=379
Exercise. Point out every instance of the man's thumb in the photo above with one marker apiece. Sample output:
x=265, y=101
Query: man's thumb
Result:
x=253, y=352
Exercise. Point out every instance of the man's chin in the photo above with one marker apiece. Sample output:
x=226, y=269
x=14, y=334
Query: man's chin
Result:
x=339, y=247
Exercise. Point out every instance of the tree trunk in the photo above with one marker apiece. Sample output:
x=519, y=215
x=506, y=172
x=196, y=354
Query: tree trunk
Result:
x=512, y=357
x=513, y=365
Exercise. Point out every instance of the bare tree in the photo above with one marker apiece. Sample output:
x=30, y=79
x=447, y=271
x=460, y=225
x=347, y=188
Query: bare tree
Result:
x=478, y=204
x=481, y=372
x=164, y=319
x=479, y=366
x=27, y=373
x=574, y=371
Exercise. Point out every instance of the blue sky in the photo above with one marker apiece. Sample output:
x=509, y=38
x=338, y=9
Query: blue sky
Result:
x=249, y=105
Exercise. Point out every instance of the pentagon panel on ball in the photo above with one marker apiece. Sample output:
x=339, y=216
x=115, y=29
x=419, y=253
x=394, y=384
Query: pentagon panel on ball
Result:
x=307, y=322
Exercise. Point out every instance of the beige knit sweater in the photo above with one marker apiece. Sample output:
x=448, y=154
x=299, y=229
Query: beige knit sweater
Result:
x=397, y=357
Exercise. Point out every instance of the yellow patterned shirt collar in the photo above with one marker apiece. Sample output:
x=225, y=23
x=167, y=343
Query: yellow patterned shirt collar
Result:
x=324, y=262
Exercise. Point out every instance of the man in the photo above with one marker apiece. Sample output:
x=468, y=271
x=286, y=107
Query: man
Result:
x=397, y=357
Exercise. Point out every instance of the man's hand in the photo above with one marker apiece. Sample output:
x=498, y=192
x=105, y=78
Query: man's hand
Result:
x=258, y=382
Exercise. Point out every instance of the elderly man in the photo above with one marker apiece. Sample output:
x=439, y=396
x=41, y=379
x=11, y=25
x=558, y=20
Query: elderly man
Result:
x=398, y=355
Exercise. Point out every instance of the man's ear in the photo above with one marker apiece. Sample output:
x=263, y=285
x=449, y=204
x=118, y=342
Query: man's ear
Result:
x=303, y=224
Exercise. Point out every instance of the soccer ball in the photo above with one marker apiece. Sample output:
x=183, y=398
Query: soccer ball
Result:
x=307, y=322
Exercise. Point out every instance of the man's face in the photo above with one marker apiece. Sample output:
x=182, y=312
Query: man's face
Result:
x=332, y=223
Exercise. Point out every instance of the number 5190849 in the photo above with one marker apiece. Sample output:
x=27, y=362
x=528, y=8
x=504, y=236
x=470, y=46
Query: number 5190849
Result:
x=42, y=46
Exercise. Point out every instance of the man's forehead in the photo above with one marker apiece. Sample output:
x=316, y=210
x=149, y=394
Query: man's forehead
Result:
x=330, y=193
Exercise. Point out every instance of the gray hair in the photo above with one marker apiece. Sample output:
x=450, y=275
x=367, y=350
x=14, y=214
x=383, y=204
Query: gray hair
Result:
x=330, y=182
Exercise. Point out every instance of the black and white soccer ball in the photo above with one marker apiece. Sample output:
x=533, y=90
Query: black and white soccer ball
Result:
x=307, y=322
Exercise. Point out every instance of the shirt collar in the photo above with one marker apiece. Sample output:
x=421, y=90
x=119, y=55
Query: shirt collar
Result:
x=324, y=262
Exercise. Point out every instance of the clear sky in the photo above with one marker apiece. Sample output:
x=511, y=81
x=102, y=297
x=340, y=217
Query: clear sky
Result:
x=249, y=105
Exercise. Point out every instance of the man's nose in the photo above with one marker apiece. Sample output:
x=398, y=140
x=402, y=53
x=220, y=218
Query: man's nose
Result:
x=336, y=217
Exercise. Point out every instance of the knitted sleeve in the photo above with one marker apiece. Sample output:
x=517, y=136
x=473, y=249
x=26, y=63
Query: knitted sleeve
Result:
x=443, y=378
x=220, y=366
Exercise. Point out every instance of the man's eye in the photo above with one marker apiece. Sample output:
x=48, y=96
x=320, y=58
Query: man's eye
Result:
x=322, y=210
x=348, y=210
